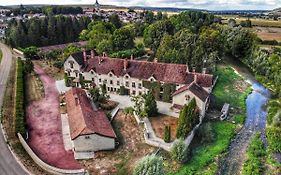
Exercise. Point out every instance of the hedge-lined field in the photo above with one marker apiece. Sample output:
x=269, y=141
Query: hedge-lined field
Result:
x=20, y=114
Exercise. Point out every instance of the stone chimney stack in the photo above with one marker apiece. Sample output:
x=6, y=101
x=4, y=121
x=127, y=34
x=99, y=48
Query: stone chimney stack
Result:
x=84, y=56
x=92, y=54
x=204, y=71
x=126, y=63
x=99, y=60
x=195, y=78
x=132, y=57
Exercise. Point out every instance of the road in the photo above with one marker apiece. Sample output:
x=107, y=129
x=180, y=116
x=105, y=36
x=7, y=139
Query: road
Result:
x=8, y=163
x=255, y=122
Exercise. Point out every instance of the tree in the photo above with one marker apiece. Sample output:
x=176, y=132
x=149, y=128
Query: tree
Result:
x=187, y=119
x=28, y=66
x=154, y=33
x=206, y=133
x=123, y=39
x=115, y=20
x=150, y=105
x=231, y=22
x=179, y=151
x=138, y=103
x=149, y=165
x=167, y=134
x=149, y=17
x=105, y=46
x=31, y=52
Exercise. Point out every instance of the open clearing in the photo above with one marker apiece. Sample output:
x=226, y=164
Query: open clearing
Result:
x=56, y=73
x=122, y=160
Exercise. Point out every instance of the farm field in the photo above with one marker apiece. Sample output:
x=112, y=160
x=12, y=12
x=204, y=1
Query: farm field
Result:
x=255, y=21
x=268, y=33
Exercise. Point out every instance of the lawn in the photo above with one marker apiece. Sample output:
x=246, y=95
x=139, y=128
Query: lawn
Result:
x=255, y=22
x=232, y=89
x=207, y=153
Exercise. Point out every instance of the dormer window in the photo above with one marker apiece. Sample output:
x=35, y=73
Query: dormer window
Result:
x=151, y=79
x=126, y=76
x=92, y=72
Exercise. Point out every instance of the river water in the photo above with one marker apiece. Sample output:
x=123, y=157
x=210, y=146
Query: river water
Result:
x=255, y=122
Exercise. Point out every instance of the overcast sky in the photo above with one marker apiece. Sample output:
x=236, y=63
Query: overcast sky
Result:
x=203, y=4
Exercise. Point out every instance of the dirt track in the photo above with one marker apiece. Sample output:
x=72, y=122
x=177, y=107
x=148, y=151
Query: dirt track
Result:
x=44, y=122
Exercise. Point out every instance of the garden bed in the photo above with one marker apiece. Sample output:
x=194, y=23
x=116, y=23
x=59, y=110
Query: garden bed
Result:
x=158, y=124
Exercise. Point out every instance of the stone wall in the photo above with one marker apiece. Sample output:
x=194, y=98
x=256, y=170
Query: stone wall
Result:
x=45, y=166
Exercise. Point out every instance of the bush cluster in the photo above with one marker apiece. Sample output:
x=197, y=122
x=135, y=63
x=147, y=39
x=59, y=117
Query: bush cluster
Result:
x=20, y=99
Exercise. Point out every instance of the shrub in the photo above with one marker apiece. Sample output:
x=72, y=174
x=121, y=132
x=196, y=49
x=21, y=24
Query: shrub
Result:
x=20, y=99
x=273, y=135
x=179, y=151
x=206, y=133
x=150, y=165
x=167, y=134
x=129, y=111
x=150, y=105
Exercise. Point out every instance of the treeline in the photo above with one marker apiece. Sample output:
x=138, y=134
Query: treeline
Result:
x=48, y=10
x=45, y=31
x=55, y=10
x=20, y=100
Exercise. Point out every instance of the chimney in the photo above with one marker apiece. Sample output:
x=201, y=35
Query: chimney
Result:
x=187, y=69
x=193, y=70
x=92, y=54
x=103, y=54
x=99, y=60
x=132, y=57
x=126, y=63
x=204, y=71
x=84, y=55
x=195, y=78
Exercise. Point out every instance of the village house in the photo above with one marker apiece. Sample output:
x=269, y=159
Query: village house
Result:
x=86, y=69
x=90, y=129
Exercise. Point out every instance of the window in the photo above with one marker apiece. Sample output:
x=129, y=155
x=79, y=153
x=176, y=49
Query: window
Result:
x=92, y=72
x=105, y=81
x=93, y=79
x=76, y=74
x=71, y=65
x=134, y=92
x=87, y=137
x=110, y=75
x=108, y=88
x=100, y=80
x=126, y=76
x=127, y=83
x=133, y=84
x=140, y=86
x=140, y=93
x=111, y=82
x=118, y=83
x=68, y=73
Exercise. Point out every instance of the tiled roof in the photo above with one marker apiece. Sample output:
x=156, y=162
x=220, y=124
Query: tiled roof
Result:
x=62, y=46
x=168, y=73
x=83, y=120
x=197, y=90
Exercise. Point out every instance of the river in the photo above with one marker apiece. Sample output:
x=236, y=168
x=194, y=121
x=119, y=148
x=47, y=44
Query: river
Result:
x=255, y=122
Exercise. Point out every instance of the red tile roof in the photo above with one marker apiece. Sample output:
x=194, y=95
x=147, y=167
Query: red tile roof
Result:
x=83, y=120
x=168, y=73
x=196, y=89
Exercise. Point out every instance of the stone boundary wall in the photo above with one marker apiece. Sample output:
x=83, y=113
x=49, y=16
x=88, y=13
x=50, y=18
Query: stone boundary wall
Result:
x=45, y=166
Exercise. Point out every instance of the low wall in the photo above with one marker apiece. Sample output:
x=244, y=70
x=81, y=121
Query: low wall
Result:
x=18, y=51
x=45, y=166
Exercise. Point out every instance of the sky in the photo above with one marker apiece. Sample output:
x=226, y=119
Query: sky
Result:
x=201, y=4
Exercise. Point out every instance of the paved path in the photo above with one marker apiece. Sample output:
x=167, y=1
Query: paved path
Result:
x=125, y=101
x=45, y=129
x=8, y=164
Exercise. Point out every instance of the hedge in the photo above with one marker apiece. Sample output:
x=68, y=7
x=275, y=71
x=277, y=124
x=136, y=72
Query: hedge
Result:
x=20, y=100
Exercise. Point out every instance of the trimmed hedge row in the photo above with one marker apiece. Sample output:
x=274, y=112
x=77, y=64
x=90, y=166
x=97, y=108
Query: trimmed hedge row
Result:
x=20, y=100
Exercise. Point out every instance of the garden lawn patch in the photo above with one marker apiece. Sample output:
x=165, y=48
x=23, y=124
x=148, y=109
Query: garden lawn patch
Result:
x=207, y=153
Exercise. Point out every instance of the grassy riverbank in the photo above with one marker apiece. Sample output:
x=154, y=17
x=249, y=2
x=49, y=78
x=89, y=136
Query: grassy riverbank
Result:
x=232, y=89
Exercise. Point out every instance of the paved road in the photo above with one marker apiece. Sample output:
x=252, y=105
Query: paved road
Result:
x=8, y=164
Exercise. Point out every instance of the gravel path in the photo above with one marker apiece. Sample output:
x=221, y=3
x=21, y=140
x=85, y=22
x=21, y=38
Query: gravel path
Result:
x=45, y=130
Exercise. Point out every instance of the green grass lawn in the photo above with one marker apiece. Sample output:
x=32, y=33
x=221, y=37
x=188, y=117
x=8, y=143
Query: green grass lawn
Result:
x=206, y=154
x=204, y=157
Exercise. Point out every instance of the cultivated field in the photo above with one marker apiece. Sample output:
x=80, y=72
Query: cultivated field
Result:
x=268, y=33
x=255, y=21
